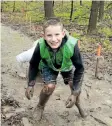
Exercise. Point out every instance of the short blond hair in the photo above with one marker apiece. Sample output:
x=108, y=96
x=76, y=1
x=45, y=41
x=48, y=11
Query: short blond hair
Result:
x=52, y=21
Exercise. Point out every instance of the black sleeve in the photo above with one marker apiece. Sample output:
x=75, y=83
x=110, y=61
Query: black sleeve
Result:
x=33, y=67
x=79, y=68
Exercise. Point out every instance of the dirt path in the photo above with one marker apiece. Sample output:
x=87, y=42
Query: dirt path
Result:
x=96, y=94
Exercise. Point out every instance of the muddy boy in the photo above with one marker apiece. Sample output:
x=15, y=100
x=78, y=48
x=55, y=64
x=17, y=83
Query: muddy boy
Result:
x=56, y=52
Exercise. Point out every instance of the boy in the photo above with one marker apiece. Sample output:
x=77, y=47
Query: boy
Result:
x=56, y=52
x=26, y=57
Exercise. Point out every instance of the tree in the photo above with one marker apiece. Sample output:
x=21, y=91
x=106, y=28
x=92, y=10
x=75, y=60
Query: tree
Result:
x=53, y=3
x=71, y=10
x=93, y=17
x=48, y=8
x=13, y=7
x=80, y=2
x=1, y=6
x=101, y=10
x=62, y=2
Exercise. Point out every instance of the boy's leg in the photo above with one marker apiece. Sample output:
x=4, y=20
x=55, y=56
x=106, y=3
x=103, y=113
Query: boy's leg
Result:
x=21, y=59
x=21, y=70
x=49, y=78
x=78, y=104
x=68, y=78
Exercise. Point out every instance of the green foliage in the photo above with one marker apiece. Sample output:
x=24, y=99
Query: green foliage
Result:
x=106, y=31
x=81, y=13
x=63, y=15
x=107, y=45
x=65, y=10
x=34, y=12
x=35, y=17
x=107, y=16
x=8, y=6
x=76, y=35
x=89, y=39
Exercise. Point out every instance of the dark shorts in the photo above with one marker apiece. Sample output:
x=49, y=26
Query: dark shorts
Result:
x=49, y=76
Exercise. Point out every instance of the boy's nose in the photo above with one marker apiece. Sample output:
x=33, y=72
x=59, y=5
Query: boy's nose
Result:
x=53, y=38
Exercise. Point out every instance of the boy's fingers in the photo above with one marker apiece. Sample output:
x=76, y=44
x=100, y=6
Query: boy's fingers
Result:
x=68, y=105
x=68, y=100
x=27, y=94
x=71, y=101
x=32, y=91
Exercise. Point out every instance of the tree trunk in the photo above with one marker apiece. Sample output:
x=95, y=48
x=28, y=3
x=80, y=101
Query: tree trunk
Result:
x=2, y=6
x=53, y=3
x=101, y=11
x=62, y=2
x=13, y=7
x=71, y=10
x=110, y=4
x=48, y=8
x=93, y=17
x=80, y=2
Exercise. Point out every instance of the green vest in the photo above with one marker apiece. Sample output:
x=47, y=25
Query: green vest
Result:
x=63, y=55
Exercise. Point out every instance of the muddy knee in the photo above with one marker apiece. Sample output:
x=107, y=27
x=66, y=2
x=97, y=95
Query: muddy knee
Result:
x=48, y=89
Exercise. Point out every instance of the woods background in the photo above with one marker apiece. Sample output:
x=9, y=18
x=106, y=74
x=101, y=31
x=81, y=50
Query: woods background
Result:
x=90, y=21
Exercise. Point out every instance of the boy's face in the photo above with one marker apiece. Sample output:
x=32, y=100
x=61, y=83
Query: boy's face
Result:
x=54, y=35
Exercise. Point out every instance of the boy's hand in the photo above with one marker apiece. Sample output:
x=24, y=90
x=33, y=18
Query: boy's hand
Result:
x=72, y=99
x=29, y=92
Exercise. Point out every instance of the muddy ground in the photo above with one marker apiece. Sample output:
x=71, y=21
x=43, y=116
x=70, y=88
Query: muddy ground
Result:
x=96, y=97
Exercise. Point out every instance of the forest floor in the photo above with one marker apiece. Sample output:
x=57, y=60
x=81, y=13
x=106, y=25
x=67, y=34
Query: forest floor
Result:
x=96, y=96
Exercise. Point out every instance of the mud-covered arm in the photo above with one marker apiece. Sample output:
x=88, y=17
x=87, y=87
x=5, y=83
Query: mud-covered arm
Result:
x=79, y=69
x=33, y=67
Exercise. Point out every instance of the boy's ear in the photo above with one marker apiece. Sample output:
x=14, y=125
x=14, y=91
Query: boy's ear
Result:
x=63, y=33
x=42, y=35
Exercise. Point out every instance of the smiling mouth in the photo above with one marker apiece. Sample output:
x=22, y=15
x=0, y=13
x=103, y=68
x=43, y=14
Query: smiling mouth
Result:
x=54, y=43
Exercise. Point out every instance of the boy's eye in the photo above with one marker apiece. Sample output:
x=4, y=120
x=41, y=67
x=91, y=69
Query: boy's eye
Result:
x=49, y=35
x=57, y=34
